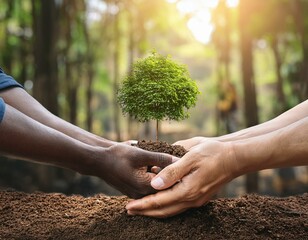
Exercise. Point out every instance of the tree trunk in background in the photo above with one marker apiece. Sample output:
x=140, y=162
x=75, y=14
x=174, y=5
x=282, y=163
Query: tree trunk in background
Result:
x=45, y=90
x=304, y=41
x=250, y=100
x=282, y=105
x=116, y=73
x=131, y=58
x=7, y=50
x=302, y=24
x=45, y=15
x=90, y=74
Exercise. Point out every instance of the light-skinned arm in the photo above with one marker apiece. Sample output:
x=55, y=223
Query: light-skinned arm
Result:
x=296, y=113
x=192, y=181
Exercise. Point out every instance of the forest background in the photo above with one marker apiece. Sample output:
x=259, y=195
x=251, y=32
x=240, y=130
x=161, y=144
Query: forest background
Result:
x=249, y=59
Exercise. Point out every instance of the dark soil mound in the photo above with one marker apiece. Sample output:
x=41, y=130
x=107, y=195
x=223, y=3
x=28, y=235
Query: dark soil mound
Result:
x=56, y=216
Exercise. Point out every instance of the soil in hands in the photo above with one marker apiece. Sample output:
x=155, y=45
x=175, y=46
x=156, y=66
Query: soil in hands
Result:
x=163, y=147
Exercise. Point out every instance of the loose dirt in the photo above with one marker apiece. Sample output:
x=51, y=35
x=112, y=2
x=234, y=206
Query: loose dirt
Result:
x=56, y=216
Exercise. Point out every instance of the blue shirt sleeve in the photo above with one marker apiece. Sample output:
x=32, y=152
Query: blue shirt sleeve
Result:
x=2, y=109
x=7, y=81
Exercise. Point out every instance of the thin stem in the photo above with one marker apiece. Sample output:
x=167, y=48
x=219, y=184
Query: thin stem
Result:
x=156, y=130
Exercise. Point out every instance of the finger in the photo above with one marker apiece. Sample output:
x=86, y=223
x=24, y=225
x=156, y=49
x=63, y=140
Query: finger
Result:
x=131, y=142
x=145, y=158
x=164, y=212
x=155, y=169
x=172, y=174
x=171, y=196
x=189, y=143
x=159, y=200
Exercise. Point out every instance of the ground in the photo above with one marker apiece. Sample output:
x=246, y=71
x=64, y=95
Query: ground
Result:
x=57, y=216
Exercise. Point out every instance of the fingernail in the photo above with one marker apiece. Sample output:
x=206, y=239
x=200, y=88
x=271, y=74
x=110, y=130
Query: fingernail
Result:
x=130, y=205
x=133, y=142
x=130, y=213
x=174, y=159
x=157, y=183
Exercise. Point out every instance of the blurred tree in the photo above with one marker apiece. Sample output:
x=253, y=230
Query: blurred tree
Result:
x=16, y=38
x=301, y=23
x=227, y=97
x=246, y=10
x=272, y=21
x=117, y=35
x=45, y=29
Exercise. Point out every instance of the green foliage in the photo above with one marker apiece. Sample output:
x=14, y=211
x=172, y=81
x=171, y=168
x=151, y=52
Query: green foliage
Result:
x=158, y=88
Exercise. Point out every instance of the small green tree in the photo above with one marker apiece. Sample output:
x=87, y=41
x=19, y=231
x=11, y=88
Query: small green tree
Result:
x=157, y=88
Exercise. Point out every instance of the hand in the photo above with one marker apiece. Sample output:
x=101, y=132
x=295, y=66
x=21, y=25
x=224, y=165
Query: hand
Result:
x=192, y=181
x=126, y=169
x=191, y=142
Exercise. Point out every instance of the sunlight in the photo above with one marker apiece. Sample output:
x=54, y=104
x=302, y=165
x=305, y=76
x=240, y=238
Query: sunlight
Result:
x=200, y=11
x=95, y=9
x=200, y=26
x=200, y=22
x=232, y=3
x=190, y=6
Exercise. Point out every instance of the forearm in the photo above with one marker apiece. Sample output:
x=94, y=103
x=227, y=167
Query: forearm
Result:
x=25, y=138
x=22, y=101
x=285, y=147
x=291, y=116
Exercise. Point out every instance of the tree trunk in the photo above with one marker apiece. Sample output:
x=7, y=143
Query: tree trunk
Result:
x=45, y=25
x=157, y=130
x=131, y=57
x=282, y=106
x=45, y=89
x=116, y=74
x=251, y=110
x=302, y=24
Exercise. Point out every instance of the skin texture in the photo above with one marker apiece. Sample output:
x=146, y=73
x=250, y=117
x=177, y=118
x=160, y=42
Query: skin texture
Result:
x=30, y=132
x=212, y=162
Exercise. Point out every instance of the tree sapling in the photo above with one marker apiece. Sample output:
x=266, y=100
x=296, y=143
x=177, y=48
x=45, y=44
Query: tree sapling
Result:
x=157, y=88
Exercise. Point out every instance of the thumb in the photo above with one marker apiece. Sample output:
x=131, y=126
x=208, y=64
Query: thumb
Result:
x=170, y=175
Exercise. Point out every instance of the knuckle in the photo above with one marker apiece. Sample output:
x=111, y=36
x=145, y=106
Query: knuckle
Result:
x=154, y=203
x=173, y=173
x=191, y=194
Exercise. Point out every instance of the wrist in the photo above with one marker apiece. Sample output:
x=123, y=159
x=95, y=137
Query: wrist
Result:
x=91, y=161
x=255, y=153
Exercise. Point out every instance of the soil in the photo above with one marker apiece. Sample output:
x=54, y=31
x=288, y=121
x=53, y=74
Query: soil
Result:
x=57, y=216
x=163, y=147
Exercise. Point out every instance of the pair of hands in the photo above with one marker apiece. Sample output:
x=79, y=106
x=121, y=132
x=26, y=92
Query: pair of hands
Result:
x=189, y=182
x=126, y=168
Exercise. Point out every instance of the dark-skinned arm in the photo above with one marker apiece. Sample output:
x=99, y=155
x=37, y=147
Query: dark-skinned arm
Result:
x=25, y=103
x=120, y=165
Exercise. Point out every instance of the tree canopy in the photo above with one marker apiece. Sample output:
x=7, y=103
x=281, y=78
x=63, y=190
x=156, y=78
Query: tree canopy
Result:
x=158, y=88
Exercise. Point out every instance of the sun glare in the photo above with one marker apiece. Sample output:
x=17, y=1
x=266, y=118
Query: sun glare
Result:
x=200, y=21
x=200, y=25
x=200, y=11
x=232, y=3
